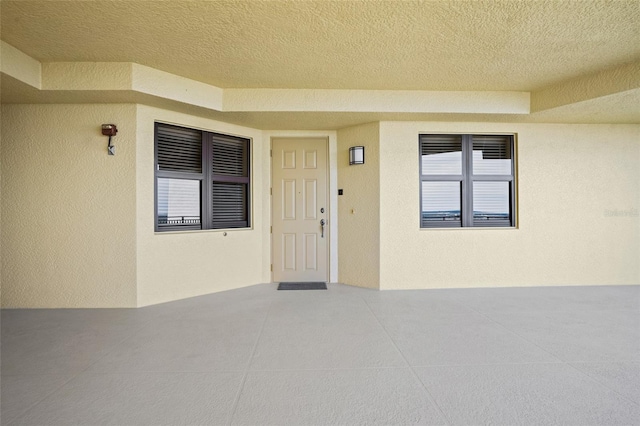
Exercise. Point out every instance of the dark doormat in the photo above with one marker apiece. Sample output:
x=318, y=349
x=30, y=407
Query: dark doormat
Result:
x=302, y=286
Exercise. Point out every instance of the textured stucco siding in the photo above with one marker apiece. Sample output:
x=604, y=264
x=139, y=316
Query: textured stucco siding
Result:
x=68, y=208
x=578, y=202
x=359, y=208
x=177, y=265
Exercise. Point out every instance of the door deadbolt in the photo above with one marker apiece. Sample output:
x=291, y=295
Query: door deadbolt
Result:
x=322, y=210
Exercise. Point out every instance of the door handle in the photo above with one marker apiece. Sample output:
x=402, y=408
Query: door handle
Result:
x=322, y=222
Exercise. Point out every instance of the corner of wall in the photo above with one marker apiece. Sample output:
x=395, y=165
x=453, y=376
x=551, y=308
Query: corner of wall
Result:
x=178, y=265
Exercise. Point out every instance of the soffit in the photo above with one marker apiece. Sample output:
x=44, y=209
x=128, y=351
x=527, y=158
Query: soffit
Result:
x=621, y=108
x=481, y=45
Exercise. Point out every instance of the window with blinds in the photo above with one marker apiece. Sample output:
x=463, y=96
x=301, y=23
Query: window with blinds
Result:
x=202, y=179
x=467, y=181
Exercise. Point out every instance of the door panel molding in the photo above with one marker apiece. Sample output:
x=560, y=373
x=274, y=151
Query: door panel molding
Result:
x=300, y=201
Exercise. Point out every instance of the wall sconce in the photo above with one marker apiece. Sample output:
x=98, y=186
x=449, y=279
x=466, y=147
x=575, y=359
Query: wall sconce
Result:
x=110, y=130
x=356, y=155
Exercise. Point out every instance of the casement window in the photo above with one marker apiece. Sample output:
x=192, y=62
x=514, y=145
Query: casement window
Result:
x=467, y=181
x=202, y=179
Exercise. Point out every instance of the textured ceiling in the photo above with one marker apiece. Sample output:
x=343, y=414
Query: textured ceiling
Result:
x=477, y=45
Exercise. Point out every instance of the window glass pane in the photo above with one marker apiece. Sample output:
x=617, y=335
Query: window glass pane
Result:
x=491, y=155
x=490, y=201
x=440, y=202
x=178, y=202
x=441, y=154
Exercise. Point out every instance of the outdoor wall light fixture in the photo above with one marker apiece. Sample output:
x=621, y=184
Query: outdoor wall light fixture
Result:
x=110, y=130
x=356, y=155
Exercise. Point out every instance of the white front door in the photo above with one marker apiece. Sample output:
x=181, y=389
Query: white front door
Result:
x=300, y=209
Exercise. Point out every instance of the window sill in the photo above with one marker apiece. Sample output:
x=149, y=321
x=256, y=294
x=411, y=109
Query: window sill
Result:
x=477, y=228
x=200, y=231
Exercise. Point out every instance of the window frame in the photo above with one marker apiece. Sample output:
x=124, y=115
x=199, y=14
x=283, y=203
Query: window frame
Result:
x=467, y=179
x=206, y=178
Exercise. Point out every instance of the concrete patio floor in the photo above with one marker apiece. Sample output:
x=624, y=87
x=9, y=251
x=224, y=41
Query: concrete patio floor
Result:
x=512, y=356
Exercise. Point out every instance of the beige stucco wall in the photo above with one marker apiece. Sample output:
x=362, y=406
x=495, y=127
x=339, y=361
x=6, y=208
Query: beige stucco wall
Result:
x=359, y=208
x=177, y=265
x=578, y=223
x=68, y=208
x=76, y=225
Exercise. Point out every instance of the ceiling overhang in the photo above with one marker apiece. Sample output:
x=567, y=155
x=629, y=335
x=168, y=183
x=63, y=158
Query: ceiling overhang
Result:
x=89, y=82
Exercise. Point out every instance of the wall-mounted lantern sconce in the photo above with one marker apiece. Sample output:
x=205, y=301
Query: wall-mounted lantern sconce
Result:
x=356, y=155
x=110, y=130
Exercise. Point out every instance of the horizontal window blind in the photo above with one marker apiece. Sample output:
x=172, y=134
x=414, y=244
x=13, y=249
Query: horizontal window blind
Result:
x=491, y=155
x=178, y=203
x=440, y=204
x=441, y=154
x=229, y=156
x=229, y=205
x=436, y=144
x=493, y=147
x=179, y=149
x=491, y=204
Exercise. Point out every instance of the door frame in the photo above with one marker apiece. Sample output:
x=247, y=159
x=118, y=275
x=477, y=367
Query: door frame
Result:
x=332, y=194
